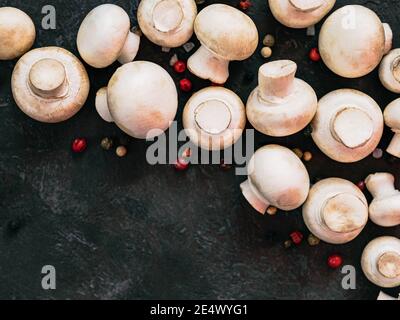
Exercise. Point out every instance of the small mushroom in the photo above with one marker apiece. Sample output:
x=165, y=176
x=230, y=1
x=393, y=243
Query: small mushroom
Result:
x=167, y=23
x=389, y=71
x=214, y=118
x=281, y=105
x=300, y=13
x=348, y=125
x=105, y=37
x=50, y=84
x=336, y=211
x=381, y=262
x=392, y=120
x=278, y=178
x=17, y=33
x=353, y=41
x=141, y=98
x=226, y=34
x=385, y=208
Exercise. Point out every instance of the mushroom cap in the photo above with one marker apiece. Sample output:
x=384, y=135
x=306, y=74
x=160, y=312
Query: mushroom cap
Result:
x=352, y=41
x=348, y=125
x=300, y=13
x=142, y=99
x=17, y=33
x=389, y=71
x=392, y=115
x=102, y=35
x=167, y=23
x=279, y=177
x=101, y=104
x=336, y=211
x=227, y=32
x=47, y=69
x=214, y=118
x=381, y=262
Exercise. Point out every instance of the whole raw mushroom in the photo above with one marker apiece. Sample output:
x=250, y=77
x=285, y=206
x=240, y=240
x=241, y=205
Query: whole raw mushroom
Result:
x=50, y=84
x=353, y=41
x=276, y=177
x=336, y=211
x=300, y=13
x=212, y=25
x=392, y=120
x=281, y=105
x=141, y=98
x=105, y=37
x=17, y=33
x=389, y=71
x=168, y=23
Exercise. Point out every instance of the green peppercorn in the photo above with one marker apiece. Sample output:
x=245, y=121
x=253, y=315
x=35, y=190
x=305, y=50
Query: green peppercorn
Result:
x=313, y=240
x=107, y=143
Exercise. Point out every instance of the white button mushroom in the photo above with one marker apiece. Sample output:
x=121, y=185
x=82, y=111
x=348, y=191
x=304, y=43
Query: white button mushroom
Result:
x=336, y=211
x=281, y=105
x=381, y=262
x=348, y=125
x=389, y=71
x=214, y=118
x=300, y=13
x=141, y=99
x=353, y=41
x=168, y=23
x=277, y=178
x=105, y=37
x=50, y=84
x=385, y=208
x=17, y=33
x=392, y=120
x=225, y=34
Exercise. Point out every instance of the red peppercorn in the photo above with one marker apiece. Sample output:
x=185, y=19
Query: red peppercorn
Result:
x=361, y=185
x=185, y=85
x=181, y=164
x=79, y=145
x=314, y=55
x=335, y=261
x=297, y=237
x=244, y=4
x=180, y=66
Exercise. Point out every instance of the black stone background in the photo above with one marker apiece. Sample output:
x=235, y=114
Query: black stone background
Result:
x=122, y=229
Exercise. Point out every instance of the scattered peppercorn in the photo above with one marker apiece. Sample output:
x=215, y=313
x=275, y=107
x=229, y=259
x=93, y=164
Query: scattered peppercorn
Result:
x=297, y=237
x=266, y=52
x=244, y=4
x=121, y=151
x=378, y=153
x=79, y=145
x=269, y=40
x=180, y=66
x=288, y=244
x=307, y=156
x=185, y=85
x=272, y=210
x=314, y=55
x=361, y=185
x=313, y=240
x=308, y=131
x=181, y=164
x=298, y=152
x=335, y=261
x=107, y=143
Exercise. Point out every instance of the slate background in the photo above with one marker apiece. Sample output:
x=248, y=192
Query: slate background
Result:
x=121, y=229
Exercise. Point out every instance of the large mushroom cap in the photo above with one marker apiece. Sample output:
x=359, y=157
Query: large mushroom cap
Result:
x=214, y=118
x=352, y=41
x=168, y=23
x=142, y=99
x=279, y=177
x=102, y=35
x=300, y=13
x=227, y=32
x=50, y=84
x=348, y=125
x=336, y=211
x=381, y=262
x=17, y=33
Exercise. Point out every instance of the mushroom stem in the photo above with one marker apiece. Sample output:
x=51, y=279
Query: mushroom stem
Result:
x=388, y=37
x=253, y=197
x=167, y=15
x=389, y=265
x=394, y=147
x=130, y=48
x=207, y=65
x=381, y=185
x=48, y=79
x=213, y=116
x=101, y=104
x=276, y=80
x=306, y=5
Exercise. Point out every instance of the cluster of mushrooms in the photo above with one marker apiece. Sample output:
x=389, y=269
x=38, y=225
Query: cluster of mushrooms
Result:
x=51, y=85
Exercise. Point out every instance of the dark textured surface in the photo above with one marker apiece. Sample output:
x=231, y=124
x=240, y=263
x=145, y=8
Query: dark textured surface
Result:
x=119, y=228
